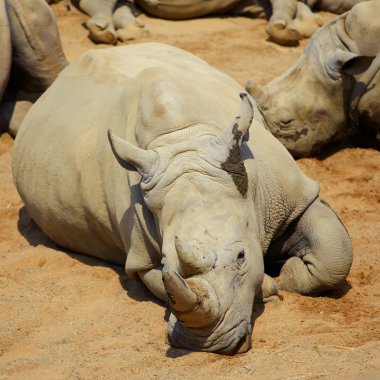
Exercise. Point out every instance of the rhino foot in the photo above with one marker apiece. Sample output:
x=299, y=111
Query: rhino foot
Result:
x=101, y=31
x=269, y=291
x=134, y=30
x=100, y=24
x=127, y=26
x=282, y=32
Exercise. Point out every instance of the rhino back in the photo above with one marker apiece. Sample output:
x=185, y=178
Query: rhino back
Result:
x=62, y=168
x=65, y=170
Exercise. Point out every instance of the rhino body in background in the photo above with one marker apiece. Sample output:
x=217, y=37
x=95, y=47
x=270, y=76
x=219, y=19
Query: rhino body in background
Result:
x=290, y=20
x=30, y=60
x=182, y=194
x=333, y=90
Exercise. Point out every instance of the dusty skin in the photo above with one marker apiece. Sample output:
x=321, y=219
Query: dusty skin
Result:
x=67, y=316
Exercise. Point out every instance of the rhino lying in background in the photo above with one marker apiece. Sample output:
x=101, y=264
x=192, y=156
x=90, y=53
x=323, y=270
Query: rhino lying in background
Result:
x=290, y=20
x=333, y=90
x=30, y=60
x=181, y=193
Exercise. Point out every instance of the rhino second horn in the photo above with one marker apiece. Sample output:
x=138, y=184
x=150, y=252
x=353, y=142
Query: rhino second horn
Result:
x=143, y=160
x=181, y=297
x=193, y=261
x=254, y=89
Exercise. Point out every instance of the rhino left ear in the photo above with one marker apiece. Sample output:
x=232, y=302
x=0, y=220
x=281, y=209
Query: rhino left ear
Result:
x=235, y=134
x=143, y=160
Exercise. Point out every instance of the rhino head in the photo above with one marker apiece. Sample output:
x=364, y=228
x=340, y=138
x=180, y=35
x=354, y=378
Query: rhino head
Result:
x=306, y=107
x=198, y=192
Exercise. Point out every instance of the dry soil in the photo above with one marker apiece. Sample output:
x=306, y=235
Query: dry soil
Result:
x=67, y=316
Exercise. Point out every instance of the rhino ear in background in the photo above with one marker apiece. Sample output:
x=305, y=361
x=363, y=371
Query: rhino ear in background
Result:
x=143, y=160
x=235, y=134
x=346, y=62
x=336, y=63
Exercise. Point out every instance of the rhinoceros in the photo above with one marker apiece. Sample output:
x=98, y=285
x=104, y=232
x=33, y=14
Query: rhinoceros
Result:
x=30, y=60
x=333, y=90
x=189, y=190
x=290, y=20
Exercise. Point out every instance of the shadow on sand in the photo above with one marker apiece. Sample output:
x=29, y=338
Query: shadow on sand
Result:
x=32, y=233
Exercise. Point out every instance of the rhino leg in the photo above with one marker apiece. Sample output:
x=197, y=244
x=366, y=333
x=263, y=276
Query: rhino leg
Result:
x=127, y=26
x=152, y=279
x=38, y=57
x=320, y=252
x=13, y=111
x=100, y=25
x=280, y=27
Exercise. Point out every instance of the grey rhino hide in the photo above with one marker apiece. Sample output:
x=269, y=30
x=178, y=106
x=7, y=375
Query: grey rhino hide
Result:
x=31, y=57
x=170, y=198
x=332, y=91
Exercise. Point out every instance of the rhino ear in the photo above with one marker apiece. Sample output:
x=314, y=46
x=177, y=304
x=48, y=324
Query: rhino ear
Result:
x=235, y=134
x=143, y=160
x=338, y=62
x=346, y=62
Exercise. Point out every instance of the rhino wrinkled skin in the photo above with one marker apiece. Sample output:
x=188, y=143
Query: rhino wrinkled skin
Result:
x=333, y=89
x=178, y=190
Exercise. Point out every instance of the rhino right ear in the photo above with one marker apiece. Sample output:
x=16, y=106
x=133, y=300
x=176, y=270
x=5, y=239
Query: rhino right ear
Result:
x=341, y=61
x=336, y=61
x=143, y=160
x=346, y=62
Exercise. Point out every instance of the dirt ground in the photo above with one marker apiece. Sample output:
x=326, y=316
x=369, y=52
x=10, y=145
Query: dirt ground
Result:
x=67, y=316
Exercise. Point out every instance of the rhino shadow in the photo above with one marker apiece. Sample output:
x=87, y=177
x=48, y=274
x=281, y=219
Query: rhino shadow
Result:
x=35, y=237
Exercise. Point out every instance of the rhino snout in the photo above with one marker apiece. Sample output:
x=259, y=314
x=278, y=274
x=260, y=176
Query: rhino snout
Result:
x=193, y=301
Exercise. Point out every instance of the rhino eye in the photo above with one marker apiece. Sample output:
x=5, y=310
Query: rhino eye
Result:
x=241, y=257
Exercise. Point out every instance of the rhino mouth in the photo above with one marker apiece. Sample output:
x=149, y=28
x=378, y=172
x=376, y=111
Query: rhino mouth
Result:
x=236, y=339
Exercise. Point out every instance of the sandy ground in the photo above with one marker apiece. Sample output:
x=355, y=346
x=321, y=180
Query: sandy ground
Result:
x=67, y=316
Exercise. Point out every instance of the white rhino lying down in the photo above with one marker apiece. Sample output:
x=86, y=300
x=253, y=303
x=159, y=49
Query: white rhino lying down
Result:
x=182, y=194
x=333, y=90
x=290, y=20
x=30, y=60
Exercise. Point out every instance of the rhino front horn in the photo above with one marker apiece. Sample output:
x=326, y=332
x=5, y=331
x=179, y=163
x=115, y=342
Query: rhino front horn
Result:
x=193, y=302
x=181, y=297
